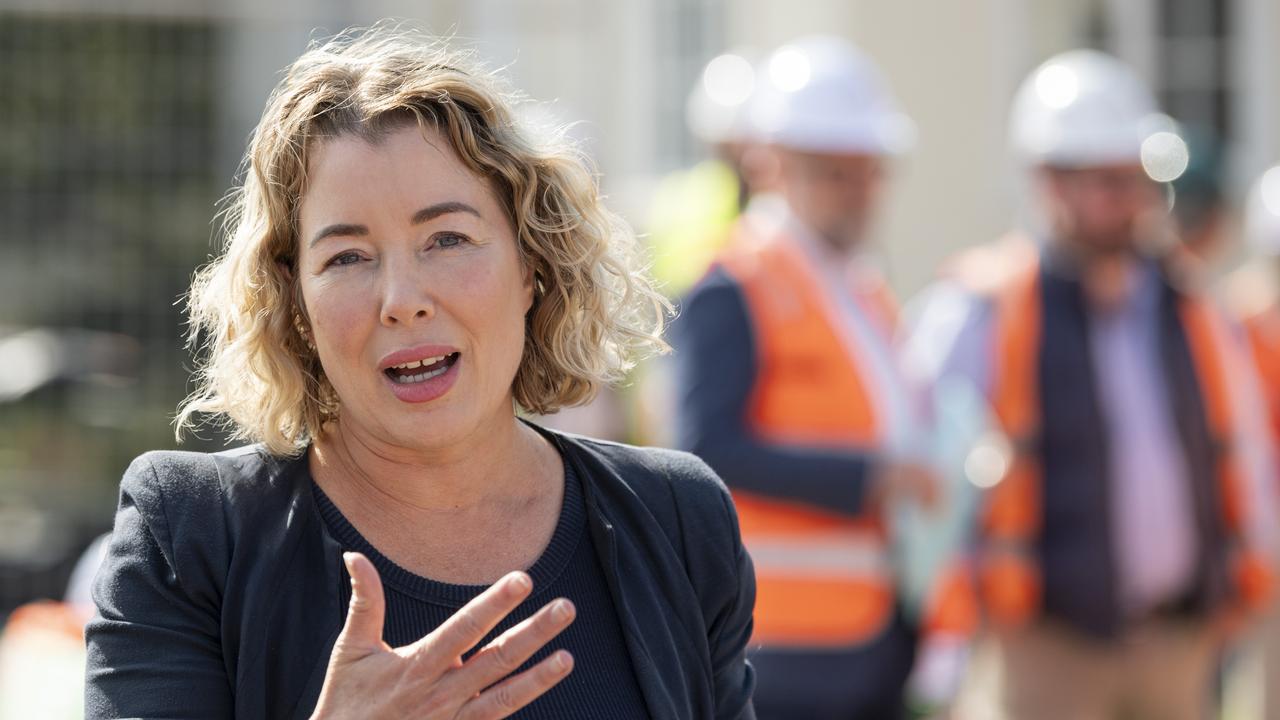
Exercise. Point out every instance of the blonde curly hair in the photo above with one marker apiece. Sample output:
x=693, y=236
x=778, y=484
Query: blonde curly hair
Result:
x=594, y=311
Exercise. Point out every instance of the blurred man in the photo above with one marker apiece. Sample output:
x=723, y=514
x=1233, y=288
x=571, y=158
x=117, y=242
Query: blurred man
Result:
x=694, y=209
x=1254, y=290
x=1127, y=526
x=1254, y=294
x=693, y=212
x=788, y=388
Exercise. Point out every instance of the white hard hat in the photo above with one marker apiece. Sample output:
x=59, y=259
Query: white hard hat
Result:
x=1262, y=214
x=820, y=94
x=1085, y=108
x=718, y=105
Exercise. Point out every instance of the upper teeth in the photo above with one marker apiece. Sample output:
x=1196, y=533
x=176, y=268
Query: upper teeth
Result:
x=413, y=364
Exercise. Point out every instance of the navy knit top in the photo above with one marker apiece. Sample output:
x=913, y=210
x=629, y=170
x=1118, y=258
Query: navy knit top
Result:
x=602, y=683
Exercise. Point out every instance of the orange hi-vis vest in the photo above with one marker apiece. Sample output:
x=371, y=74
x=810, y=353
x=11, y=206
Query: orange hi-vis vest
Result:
x=1263, y=329
x=1010, y=580
x=822, y=579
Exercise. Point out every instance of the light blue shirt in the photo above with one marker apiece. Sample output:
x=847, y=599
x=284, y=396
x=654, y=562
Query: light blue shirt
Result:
x=1152, y=519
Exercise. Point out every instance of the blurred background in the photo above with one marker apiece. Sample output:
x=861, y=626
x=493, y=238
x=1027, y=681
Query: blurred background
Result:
x=122, y=123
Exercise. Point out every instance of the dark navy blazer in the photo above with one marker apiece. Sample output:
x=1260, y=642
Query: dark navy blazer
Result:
x=219, y=595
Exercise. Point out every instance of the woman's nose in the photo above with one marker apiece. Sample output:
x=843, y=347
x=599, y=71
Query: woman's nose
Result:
x=405, y=298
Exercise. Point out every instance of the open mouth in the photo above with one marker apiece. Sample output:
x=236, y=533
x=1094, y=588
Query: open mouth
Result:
x=418, y=371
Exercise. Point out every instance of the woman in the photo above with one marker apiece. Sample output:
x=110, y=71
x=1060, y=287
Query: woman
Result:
x=404, y=270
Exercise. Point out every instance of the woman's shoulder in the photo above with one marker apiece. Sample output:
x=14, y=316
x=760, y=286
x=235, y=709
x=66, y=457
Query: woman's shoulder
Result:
x=187, y=470
x=685, y=471
x=678, y=510
x=659, y=477
x=178, y=482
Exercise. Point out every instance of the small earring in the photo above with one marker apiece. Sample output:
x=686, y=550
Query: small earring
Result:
x=300, y=327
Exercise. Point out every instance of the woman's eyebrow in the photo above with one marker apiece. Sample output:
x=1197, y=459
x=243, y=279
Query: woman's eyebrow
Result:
x=339, y=229
x=430, y=212
x=434, y=211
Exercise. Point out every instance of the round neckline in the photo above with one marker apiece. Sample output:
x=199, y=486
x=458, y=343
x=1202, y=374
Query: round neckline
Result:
x=569, y=530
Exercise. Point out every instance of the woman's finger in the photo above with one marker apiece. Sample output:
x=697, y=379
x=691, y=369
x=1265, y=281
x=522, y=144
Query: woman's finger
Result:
x=510, y=695
x=442, y=647
x=362, y=633
x=509, y=651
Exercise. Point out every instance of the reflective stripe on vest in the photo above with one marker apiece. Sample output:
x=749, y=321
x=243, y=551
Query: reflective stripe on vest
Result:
x=849, y=555
x=822, y=579
x=1010, y=578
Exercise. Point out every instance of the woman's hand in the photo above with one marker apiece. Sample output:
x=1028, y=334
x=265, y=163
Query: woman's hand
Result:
x=428, y=679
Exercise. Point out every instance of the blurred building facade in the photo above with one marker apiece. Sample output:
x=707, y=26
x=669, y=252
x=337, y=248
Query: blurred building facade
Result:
x=123, y=121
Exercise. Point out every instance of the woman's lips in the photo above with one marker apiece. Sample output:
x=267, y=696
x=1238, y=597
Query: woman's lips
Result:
x=420, y=370
x=415, y=355
x=424, y=382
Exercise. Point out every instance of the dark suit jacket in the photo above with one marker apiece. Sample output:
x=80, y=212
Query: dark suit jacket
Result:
x=219, y=595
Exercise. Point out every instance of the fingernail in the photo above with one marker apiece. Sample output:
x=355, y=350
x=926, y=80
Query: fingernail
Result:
x=522, y=582
x=562, y=661
x=347, y=559
x=560, y=611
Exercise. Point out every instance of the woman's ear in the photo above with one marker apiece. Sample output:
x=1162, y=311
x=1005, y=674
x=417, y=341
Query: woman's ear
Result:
x=529, y=286
x=286, y=269
x=301, y=322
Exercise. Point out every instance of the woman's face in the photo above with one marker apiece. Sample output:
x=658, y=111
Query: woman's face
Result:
x=414, y=288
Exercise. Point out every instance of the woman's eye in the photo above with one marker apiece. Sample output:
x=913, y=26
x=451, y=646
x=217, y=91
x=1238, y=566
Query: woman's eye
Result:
x=346, y=258
x=449, y=240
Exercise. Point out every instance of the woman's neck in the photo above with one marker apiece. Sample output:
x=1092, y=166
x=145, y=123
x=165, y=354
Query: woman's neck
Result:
x=465, y=515
x=505, y=462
